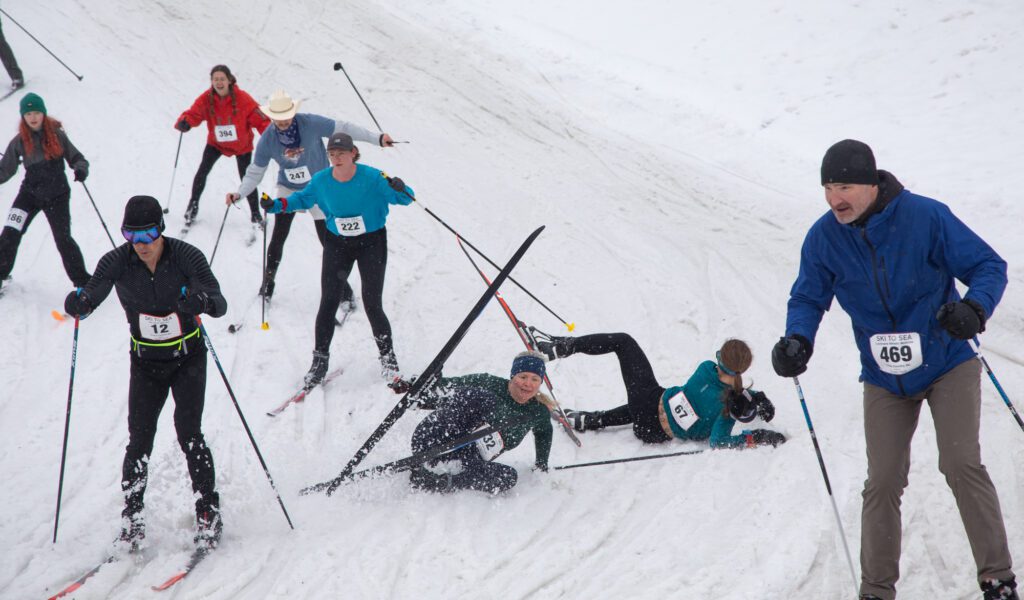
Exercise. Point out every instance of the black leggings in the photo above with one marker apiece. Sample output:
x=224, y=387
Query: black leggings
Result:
x=370, y=251
x=275, y=249
x=58, y=213
x=643, y=393
x=210, y=156
x=147, y=391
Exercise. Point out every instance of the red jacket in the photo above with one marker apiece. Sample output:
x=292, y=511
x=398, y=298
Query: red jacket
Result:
x=238, y=109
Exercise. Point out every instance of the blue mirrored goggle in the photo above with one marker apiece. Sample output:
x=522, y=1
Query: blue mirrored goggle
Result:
x=141, y=236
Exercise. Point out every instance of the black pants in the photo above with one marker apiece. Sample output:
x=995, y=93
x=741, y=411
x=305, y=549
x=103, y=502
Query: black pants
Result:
x=7, y=57
x=210, y=156
x=643, y=393
x=370, y=252
x=151, y=380
x=58, y=214
x=275, y=249
x=465, y=410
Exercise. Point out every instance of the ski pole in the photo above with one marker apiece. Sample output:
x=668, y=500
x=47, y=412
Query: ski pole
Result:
x=338, y=67
x=213, y=254
x=625, y=460
x=97, y=209
x=245, y=424
x=995, y=382
x=263, y=297
x=568, y=325
x=828, y=486
x=181, y=134
x=40, y=43
x=67, y=427
x=427, y=376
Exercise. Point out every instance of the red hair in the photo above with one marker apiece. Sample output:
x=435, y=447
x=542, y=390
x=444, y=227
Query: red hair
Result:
x=51, y=143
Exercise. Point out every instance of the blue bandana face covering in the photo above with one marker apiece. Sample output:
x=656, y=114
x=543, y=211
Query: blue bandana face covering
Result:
x=289, y=138
x=528, y=364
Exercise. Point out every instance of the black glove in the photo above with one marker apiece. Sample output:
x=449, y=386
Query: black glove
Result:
x=194, y=304
x=183, y=126
x=77, y=304
x=739, y=406
x=764, y=407
x=963, y=320
x=81, y=173
x=767, y=437
x=396, y=184
x=267, y=203
x=790, y=355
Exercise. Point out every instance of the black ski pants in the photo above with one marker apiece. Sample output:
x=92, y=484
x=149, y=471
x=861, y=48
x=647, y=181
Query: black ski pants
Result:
x=275, y=249
x=643, y=393
x=462, y=469
x=210, y=156
x=370, y=252
x=151, y=380
x=58, y=213
x=7, y=57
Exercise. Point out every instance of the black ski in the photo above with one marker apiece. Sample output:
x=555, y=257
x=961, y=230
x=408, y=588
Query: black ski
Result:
x=411, y=462
x=429, y=373
x=10, y=93
x=631, y=459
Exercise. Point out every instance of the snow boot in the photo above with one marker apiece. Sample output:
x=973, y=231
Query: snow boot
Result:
x=209, y=527
x=267, y=287
x=389, y=367
x=584, y=420
x=133, y=532
x=190, y=211
x=554, y=347
x=318, y=369
x=995, y=589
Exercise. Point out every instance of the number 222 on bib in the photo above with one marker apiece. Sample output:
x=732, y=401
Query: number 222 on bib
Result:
x=897, y=353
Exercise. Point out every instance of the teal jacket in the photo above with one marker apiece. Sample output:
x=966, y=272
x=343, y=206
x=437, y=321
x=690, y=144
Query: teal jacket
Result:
x=704, y=391
x=506, y=409
x=367, y=195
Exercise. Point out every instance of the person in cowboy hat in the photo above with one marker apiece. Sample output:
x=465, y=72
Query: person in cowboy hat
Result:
x=295, y=143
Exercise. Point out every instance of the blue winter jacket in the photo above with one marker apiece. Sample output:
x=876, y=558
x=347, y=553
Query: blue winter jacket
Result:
x=367, y=195
x=891, y=275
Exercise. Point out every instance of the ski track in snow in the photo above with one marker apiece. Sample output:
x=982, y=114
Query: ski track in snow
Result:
x=675, y=194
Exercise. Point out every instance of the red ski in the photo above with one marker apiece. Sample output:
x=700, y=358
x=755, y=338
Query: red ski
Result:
x=300, y=395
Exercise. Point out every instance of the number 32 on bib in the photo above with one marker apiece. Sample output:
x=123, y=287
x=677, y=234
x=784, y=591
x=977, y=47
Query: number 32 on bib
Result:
x=897, y=353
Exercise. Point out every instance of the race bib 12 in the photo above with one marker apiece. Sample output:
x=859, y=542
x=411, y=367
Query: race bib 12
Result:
x=160, y=328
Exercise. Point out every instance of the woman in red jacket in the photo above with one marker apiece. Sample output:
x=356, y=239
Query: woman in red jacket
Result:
x=230, y=115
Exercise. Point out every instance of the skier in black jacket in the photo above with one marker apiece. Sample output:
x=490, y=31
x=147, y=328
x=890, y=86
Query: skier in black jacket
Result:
x=43, y=147
x=150, y=273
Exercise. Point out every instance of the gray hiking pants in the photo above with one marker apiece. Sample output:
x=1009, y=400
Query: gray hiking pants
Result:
x=889, y=424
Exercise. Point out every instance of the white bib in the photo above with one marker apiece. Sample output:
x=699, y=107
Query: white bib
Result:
x=682, y=411
x=297, y=175
x=225, y=133
x=160, y=328
x=490, y=446
x=350, y=226
x=897, y=353
x=16, y=219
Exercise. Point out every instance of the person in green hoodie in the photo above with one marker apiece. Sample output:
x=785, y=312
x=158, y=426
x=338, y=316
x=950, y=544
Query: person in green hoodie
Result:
x=705, y=408
x=469, y=402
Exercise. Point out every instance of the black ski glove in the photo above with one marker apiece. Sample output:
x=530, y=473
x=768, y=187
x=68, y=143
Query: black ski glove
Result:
x=767, y=437
x=396, y=184
x=77, y=304
x=739, y=406
x=194, y=304
x=790, y=355
x=764, y=407
x=183, y=126
x=963, y=320
x=81, y=173
x=267, y=203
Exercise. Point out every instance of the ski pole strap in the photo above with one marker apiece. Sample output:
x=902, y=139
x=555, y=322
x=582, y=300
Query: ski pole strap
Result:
x=180, y=343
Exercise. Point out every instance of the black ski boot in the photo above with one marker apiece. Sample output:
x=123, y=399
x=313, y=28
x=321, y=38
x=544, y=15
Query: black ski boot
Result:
x=133, y=532
x=318, y=369
x=584, y=420
x=389, y=367
x=209, y=525
x=190, y=212
x=1005, y=589
x=267, y=287
x=553, y=347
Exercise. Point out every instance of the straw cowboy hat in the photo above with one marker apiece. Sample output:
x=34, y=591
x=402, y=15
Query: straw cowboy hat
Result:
x=281, y=106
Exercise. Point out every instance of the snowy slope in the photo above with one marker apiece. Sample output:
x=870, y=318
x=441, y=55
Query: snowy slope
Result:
x=671, y=150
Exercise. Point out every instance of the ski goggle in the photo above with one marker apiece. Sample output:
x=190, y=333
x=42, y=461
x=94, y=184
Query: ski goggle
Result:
x=141, y=236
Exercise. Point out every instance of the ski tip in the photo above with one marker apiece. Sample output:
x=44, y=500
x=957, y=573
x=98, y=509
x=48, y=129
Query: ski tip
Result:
x=232, y=328
x=570, y=326
x=56, y=314
x=265, y=326
x=173, y=580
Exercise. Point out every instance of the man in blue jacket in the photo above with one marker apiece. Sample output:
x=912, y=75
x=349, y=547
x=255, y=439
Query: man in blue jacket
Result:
x=890, y=258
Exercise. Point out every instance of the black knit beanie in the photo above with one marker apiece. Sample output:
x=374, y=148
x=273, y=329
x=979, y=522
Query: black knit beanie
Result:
x=142, y=212
x=849, y=161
